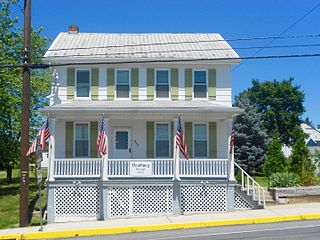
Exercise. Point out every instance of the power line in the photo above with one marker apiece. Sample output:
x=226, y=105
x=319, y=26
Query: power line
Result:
x=183, y=42
x=283, y=32
x=183, y=50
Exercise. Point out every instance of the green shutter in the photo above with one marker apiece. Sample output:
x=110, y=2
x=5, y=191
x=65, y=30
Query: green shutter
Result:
x=188, y=84
x=70, y=83
x=69, y=140
x=212, y=139
x=212, y=87
x=93, y=139
x=174, y=83
x=150, y=139
x=150, y=83
x=110, y=83
x=188, y=137
x=135, y=84
x=94, y=83
x=172, y=137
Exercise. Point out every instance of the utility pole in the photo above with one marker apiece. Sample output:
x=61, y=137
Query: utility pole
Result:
x=24, y=165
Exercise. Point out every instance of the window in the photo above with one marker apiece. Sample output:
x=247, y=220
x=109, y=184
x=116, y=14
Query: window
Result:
x=123, y=84
x=200, y=84
x=82, y=140
x=162, y=84
x=200, y=140
x=83, y=83
x=162, y=140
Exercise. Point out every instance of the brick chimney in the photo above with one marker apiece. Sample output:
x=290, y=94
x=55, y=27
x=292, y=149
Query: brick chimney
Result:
x=73, y=29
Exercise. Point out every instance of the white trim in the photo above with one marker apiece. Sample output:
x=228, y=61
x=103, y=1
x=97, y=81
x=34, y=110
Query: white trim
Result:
x=75, y=83
x=155, y=83
x=155, y=138
x=113, y=138
x=207, y=80
x=116, y=79
x=74, y=139
x=193, y=138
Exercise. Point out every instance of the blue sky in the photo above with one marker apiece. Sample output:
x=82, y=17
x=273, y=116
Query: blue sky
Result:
x=231, y=18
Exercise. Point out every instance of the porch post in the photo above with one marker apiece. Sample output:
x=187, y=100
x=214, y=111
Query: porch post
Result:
x=105, y=157
x=52, y=149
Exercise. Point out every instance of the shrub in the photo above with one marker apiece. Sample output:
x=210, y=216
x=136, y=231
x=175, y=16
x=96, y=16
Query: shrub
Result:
x=284, y=179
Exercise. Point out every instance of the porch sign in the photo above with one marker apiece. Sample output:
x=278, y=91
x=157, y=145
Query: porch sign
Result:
x=140, y=169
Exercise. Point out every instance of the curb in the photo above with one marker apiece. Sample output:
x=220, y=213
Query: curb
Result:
x=158, y=227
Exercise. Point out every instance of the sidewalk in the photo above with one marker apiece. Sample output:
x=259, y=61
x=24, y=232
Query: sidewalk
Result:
x=115, y=226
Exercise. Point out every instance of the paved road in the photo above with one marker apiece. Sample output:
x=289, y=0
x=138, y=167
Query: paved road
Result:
x=306, y=230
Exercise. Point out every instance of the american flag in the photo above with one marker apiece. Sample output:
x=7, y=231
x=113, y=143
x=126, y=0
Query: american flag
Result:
x=44, y=134
x=102, y=141
x=180, y=140
x=231, y=144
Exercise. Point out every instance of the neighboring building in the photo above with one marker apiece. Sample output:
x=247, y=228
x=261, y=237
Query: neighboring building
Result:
x=312, y=141
x=139, y=84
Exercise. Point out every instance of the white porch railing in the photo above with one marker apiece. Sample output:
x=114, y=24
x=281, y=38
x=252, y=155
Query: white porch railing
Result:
x=117, y=168
x=77, y=168
x=252, y=188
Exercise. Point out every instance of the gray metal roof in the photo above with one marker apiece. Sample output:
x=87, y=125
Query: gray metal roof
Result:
x=147, y=46
x=127, y=106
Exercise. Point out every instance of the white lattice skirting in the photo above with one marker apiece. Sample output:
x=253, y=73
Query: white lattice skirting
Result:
x=139, y=201
x=240, y=203
x=85, y=202
x=200, y=198
x=76, y=203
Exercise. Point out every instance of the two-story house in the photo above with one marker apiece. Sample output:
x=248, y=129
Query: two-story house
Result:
x=139, y=84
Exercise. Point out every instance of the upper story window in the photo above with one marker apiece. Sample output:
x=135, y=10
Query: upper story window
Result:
x=162, y=84
x=123, y=83
x=82, y=140
x=200, y=84
x=200, y=141
x=162, y=140
x=83, y=84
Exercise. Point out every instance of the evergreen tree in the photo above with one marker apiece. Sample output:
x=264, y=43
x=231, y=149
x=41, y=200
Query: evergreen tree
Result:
x=250, y=137
x=276, y=161
x=301, y=162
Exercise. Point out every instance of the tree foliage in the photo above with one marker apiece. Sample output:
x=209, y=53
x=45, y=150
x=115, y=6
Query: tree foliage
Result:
x=11, y=46
x=281, y=104
x=276, y=161
x=250, y=137
x=301, y=162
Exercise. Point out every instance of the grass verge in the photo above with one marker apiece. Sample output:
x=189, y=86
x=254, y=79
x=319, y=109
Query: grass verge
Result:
x=10, y=199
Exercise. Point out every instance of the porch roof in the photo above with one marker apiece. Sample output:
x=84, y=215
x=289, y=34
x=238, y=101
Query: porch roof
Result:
x=129, y=106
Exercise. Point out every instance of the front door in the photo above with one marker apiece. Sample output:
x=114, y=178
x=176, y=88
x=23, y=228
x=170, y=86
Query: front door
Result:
x=122, y=143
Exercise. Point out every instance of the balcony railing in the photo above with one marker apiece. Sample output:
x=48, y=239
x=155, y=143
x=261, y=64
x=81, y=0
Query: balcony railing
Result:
x=137, y=168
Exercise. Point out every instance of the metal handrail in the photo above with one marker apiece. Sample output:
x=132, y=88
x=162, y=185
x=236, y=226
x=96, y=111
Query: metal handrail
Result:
x=245, y=177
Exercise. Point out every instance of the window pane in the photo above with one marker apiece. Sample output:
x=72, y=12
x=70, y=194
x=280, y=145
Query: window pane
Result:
x=162, y=148
x=200, y=91
x=200, y=148
x=83, y=83
x=162, y=76
x=200, y=132
x=162, y=132
x=82, y=147
x=123, y=77
x=122, y=140
x=82, y=131
x=123, y=91
x=162, y=91
x=200, y=77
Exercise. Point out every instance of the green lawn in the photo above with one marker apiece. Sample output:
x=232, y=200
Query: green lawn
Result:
x=10, y=200
x=263, y=181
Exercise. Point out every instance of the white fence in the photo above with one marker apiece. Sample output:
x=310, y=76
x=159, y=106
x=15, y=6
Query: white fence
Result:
x=119, y=168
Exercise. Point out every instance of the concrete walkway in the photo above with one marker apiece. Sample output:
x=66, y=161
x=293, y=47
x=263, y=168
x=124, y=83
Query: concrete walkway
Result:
x=89, y=228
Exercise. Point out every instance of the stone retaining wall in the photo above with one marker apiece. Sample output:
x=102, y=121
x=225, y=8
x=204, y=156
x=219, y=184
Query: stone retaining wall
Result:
x=295, y=192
